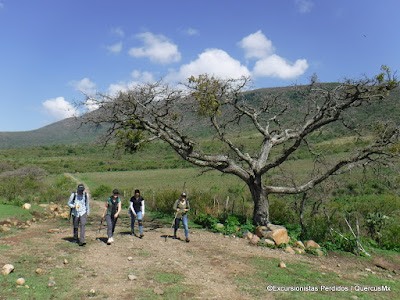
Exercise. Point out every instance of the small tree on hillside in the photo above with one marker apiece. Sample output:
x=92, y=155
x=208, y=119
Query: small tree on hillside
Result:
x=285, y=125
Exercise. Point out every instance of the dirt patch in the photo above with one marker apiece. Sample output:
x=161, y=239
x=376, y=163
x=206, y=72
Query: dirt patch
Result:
x=205, y=268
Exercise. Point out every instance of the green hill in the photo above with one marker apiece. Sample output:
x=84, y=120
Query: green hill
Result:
x=70, y=131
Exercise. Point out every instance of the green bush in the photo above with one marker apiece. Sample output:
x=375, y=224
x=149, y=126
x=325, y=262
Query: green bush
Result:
x=205, y=220
x=345, y=242
x=102, y=191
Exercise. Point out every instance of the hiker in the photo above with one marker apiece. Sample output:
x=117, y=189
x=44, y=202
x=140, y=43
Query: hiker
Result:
x=79, y=204
x=136, y=210
x=111, y=213
x=181, y=207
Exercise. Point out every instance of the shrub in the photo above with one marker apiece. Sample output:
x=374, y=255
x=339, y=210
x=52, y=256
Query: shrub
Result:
x=101, y=191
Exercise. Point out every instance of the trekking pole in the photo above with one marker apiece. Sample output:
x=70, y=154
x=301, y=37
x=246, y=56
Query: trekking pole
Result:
x=173, y=222
x=101, y=224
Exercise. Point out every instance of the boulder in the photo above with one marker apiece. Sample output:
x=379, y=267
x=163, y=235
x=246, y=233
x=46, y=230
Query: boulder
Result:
x=39, y=271
x=299, y=244
x=282, y=265
x=269, y=242
x=158, y=291
x=274, y=232
x=26, y=206
x=7, y=269
x=289, y=250
x=21, y=281
x=311, y=244
x=254, y=240
x=65, y=215
x=299, y=250
x=247, y=235
x=219, y=225
x=132, y=277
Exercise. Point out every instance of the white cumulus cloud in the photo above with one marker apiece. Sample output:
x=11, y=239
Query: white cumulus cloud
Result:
x=269, y=64
x=276, y=66
x=116, y=48
x=214, y=62
x=138, y=78
x=59, y=108
x=256, y=45
x=157, y=48
x=85, y=86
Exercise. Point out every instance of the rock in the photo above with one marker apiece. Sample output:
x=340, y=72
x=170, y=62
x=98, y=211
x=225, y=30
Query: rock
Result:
x=26, y=206
x=158, y=291
x=299, y=250
x=130, y=258
x=319, y=252
x=247, y=235
x=254, y=240
x=53, y=207
x=21, y=281
x=219, y=225
x=282, y=265
x=66, y=262
x=5, y=228
x=7, y=269
x=269, y=242
x=51, y=283
x=54, y=230
x=383, y=264
x=274, y=232
x=27, y=222
x=312, y=244
x=92, y=292
x=299, y=244
x=132, y=277
x=65, y=215
x=39, y=271
x=289, y=250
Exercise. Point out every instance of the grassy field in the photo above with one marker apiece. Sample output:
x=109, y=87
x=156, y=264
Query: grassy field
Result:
x=155, y=180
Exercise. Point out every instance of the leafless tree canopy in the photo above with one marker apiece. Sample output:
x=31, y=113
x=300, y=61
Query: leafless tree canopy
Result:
x=283, y=125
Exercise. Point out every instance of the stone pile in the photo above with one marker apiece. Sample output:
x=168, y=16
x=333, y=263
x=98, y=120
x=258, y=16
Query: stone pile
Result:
x=276, y=235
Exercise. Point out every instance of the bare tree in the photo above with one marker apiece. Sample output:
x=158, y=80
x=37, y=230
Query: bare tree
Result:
x=283, y=124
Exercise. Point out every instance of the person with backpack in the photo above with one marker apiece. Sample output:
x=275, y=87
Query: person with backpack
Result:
x=181, y=207
x=79, y=205
x=111, y=214
x=136, y=210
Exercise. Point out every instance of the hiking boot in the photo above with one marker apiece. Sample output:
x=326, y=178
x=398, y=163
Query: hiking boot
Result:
x=82, y=244
x=187, y=240
x=174, y=237
x=112, y=239
x=141, y=235
x=109, y=241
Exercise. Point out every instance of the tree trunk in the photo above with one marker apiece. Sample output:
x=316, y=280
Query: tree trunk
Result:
x=261, y=202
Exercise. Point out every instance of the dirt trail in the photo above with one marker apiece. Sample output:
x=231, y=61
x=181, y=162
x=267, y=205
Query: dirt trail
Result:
x=205, y=268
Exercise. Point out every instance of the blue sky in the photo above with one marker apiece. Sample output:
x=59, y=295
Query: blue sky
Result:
x=52, y=51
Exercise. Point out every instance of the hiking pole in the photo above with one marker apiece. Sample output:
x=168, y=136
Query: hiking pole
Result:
x=173, y=222
x=101, y=224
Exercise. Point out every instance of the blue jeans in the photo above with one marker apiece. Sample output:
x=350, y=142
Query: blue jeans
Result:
x=139, y=216
x=185, y=225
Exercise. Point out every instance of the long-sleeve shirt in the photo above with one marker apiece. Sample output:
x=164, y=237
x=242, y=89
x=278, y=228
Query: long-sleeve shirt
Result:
x=79, y=204
x=181, y=205
x=137, y=204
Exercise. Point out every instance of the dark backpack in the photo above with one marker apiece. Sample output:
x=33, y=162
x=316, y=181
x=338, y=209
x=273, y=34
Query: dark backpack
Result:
x=114, y=206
